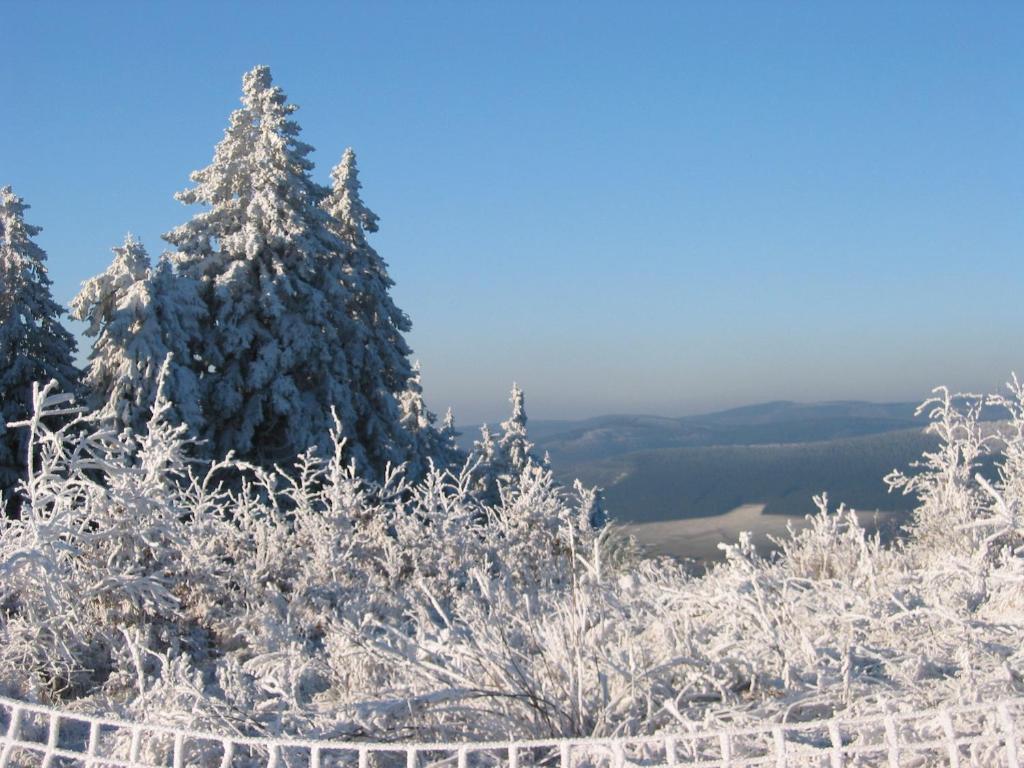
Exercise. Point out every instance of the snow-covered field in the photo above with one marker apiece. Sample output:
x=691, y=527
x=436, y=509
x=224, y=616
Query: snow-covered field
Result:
x=382, y=585
x=698, y=538
x=314, y=603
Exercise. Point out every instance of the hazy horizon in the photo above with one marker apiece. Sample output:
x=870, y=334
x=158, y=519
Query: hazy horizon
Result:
x=492, y=415
x=671, y=210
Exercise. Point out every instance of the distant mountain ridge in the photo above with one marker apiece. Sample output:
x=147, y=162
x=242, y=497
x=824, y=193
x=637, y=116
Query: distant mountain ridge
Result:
x=764, y=423
x=777, y=454
x=704, y=481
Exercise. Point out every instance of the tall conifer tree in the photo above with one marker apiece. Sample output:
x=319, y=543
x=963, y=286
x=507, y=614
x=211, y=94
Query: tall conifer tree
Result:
x=380, y=369
x=514, y=446
x=273, y=359
x=428, y=444
x=140, y=315
x=34, y=345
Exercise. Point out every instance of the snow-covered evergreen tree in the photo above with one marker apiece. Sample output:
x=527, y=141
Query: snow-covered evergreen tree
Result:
x=514, y=446
x=450, y=438
x=378, y=354
x=177, y=319
x=34, y=345
x=141, y=318
x=487, y=465
x=427, y=444
x=273, y=358
x=501, y=462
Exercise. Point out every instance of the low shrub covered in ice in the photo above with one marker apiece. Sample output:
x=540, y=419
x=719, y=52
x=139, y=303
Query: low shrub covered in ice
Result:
x=308, y=601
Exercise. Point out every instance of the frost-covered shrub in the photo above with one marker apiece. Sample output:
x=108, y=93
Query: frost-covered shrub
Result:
x=311, y=601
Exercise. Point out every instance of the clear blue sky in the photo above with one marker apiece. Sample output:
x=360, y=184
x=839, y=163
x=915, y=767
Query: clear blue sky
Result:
x=627, y=207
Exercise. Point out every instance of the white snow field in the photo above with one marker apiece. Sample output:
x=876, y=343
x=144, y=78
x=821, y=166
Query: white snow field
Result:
x=222, y=593
x=278, y=619
x=698, y=538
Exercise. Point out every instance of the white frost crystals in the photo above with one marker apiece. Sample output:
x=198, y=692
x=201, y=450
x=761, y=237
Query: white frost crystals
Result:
x=139, y=316
x=274, y=305
x=229, y=597
x=34, y=345
x=379, y=586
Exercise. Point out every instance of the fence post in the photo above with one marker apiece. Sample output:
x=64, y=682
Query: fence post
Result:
x=229, y=754
x=13, y=733
x=892, y=740
x=1010, y=732
x=726, y=741
x=136, y=744
x=836, y=738
x=779, y=740
x=947, y=727
x=52, y=737
x=94, y=743
x=179, y=750
x=670, y=751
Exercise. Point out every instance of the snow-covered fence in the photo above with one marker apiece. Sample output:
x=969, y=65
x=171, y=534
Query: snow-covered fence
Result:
x=970, y=735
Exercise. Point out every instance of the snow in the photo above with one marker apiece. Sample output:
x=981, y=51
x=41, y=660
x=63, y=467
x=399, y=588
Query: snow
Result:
x=260, y=530
x=33, y=344
x=141, y=317
x=698, y=537
x=227, y=596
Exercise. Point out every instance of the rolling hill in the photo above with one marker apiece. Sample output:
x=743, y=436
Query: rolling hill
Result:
x=682, y=484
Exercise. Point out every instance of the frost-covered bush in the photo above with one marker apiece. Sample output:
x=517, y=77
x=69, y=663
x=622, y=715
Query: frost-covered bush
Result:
x=307, y=600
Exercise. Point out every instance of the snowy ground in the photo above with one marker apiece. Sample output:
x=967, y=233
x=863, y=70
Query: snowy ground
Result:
x=317, y=604
x=698, y=537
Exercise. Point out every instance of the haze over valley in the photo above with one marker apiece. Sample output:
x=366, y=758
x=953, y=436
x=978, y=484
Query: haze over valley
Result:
x=682, y=485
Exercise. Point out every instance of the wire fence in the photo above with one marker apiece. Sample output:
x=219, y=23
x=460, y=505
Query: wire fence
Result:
x=959, y=736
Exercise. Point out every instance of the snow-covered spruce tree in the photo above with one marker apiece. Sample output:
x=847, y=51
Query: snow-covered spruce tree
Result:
x=273, y=359
x=500, y=463
x=502, y=468
x=428, y=444
x=141, y=317
x=450, y=437
x=380, y=370
x=514, y=446
x=34, y=346
x=485, y=460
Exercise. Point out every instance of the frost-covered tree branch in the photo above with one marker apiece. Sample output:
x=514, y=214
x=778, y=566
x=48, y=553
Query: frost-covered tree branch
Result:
x=316, y=601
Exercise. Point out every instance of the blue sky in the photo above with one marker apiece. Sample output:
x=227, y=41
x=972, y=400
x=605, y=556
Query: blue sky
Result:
x=627, y=207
